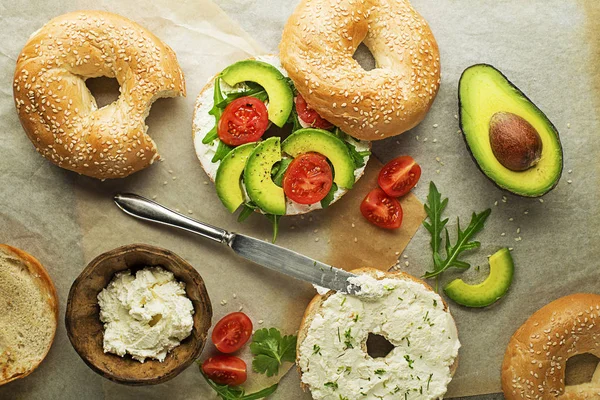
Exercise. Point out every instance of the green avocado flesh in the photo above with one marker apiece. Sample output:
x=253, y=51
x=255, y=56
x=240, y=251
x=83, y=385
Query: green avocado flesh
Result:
x=281, y=98
x=484, y=91
x=257, y=177
x=325, y=143
x=489, y=291
x=229, y=174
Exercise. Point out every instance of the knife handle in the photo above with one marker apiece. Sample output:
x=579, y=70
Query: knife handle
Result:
x=142, y=208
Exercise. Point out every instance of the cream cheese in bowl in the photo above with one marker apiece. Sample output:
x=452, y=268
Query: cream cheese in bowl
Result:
x=145, y=315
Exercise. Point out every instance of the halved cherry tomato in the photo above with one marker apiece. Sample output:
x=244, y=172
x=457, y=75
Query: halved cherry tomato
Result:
x=232, y=332
x=244, y=120
x=225, y=370
x=310, y=116
x=308, y=178
x=399, y=176
x=382, y=210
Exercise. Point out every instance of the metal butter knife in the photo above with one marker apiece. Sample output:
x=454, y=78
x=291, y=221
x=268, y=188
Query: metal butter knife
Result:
x=258, y=251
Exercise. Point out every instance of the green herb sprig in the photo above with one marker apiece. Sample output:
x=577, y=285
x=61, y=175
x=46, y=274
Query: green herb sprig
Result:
x=434, y=208
x=271, y=350
x=226, y=392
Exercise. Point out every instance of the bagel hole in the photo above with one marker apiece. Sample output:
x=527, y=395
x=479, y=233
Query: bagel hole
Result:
x=105, y=90
x=378, y=346
x=580, y=369
x=364, y=57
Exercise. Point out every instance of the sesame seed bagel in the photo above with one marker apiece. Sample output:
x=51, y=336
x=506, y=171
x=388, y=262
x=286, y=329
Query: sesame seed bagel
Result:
x=318, y=43
x=536, y=357
x=60, y=115
x=332, y=355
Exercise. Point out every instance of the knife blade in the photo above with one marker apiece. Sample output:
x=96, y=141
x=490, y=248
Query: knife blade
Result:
x=263, y=253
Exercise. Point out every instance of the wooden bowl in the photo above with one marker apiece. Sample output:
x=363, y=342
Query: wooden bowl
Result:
x=86, y=332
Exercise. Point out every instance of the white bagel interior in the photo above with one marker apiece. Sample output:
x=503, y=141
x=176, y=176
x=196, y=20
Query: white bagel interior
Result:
x=203, y=123
x=419, y=325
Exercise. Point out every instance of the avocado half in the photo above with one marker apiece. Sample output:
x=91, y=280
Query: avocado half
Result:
x=484, y=91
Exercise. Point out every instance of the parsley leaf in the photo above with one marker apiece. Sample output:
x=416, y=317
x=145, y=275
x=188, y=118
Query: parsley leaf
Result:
x=434, y=210
x=270, y=350
x=226, y=392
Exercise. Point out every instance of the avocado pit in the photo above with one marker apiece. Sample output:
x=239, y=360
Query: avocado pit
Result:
x=515, y=142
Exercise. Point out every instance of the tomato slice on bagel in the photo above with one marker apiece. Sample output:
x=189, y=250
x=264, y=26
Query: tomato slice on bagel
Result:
x=232, y=332
x=399, y=176
x=225, y=370
x=308, y=178
x=310, y=116
x=244, y=120
x=382, y=210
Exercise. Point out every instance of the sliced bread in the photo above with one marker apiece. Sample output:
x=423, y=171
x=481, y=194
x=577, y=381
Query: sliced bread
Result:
x=28, y=313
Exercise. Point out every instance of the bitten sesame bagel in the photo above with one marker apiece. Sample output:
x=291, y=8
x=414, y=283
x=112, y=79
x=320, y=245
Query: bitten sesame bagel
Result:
x=536, y=357
x=332, y=354
x=318, y=42
x=60, y=115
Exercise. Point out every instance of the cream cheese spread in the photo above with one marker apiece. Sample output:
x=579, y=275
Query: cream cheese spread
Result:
x=145, y=315
x=203, y=123
x=336, y=366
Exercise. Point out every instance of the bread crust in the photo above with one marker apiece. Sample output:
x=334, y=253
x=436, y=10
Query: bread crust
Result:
x=46, y=286
x=60, y=115
x=318, y=42
x=535, y=360
x=315, y=304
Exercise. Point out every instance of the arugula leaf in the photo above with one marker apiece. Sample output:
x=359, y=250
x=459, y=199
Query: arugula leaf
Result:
x=329, y=198
x=275, y=221
x=293, y=119
x=357, y=156
x=270, y=350
x=221, y=152
x=215, y=111
x=247, y=211
x=259, y=93
x=434, y=210
x=278, y=171
x=226, y=392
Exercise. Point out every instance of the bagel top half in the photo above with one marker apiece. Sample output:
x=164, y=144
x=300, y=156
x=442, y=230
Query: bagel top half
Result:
x=203, y=122
x=59, y=113
x=319, y=40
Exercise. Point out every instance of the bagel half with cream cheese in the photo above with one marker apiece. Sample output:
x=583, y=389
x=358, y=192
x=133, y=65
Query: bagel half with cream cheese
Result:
x=316, y=49
x=29, y=314
x=332, y=356
x=208, y=144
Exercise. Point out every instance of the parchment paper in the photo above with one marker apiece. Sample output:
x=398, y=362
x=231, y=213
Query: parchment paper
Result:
x=550, y=50
x=66, y=220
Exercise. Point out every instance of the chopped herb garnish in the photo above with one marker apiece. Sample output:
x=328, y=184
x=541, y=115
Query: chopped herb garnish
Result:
x=348, y=341
x=343, y=369
x=317, y=349
x=429, y=380
x=332, y=385
x=355, y=319
x=409, y=361
x=343, y=301
x=434, y=302
x=379, y=371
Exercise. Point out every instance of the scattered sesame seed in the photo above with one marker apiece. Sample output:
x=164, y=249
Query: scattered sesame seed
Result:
x=190, y=212
x=570, y=171
x=205, y=182
x=223, y=302
x=406, y=263
x=455, y=116
x=316, y=239
x=434, y=140
x=496, y=203
x=353, y=225
x=518, y=230
x=316, y=230
x=235, y=295
x=405, y=256
x=355, y=240
x=569, y=126
x=503, y=234
x=510, y=249
x=240, y=308
x=569, y=181
x=260, y=321
x=397, y=253
x=174, y=178
x=541, y=200
x=154, y=197
x=435, y=126
x=165, y=182
x=511, y=219
x=526, y=212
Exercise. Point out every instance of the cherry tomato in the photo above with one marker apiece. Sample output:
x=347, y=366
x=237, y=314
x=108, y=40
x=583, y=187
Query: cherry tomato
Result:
x=399, y=176
x=244, y=120
x=225, y=370
x=308, y=178
x=382, y=210
x=310, y=116
x=232, y=332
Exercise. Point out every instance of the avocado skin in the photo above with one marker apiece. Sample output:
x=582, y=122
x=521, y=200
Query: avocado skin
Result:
x=541, y=114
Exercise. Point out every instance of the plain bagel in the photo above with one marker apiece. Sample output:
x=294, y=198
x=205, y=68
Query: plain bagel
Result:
x=60, y=115
x=318, y=43
x=29, y=314
x=536, y=357
x=332, y=356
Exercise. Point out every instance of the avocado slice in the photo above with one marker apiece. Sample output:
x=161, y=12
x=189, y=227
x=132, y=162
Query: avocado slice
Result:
x=229, y=175
x=281, y=97
x=489, y=291
x=485, y=94
x=325, y=143
x=257, y=177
